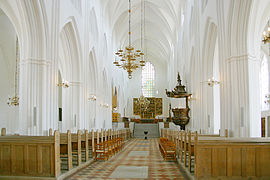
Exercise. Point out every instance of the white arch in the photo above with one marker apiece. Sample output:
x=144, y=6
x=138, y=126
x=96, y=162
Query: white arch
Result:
x=70, y=66
x=210, y=96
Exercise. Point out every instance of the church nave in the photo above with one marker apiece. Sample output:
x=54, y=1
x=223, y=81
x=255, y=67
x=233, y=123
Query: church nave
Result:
x=140, y=159
x=87, y=79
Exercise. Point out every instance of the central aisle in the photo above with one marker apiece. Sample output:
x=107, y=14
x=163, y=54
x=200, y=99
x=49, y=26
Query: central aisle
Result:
x=140, y=159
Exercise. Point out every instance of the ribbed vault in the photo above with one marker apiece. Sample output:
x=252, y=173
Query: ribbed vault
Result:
x=161, y=21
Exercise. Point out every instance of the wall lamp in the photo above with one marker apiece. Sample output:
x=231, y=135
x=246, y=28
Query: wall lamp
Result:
x=64, y=84
x=92, y=97
x=106, y=105
x=191, y=98
x=267, y=97
x=211, y=82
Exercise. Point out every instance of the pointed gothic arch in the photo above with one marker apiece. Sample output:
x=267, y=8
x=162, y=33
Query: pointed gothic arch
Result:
x=70, y=68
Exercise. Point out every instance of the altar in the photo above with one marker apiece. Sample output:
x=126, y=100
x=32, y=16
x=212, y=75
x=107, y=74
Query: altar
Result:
x=146, y=120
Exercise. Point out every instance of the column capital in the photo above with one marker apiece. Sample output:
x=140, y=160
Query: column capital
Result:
x=36, y=61
x=242, y=57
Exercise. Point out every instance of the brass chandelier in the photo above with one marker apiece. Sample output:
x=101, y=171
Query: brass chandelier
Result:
x=266, y=35
x=14, y=101
x=130, y=59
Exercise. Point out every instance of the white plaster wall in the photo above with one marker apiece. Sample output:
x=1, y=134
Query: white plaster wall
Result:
x=8, y=115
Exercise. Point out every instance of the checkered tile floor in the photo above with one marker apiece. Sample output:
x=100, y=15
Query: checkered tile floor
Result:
x=139, y=154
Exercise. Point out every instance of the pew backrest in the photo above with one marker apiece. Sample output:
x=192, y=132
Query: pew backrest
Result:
x=30, y=155
x=3, y=132
x=232, y=157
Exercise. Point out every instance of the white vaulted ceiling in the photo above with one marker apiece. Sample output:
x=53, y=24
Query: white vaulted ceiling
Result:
x=162, y=17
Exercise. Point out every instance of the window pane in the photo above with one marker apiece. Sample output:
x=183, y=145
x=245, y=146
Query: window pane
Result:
x=148, y=80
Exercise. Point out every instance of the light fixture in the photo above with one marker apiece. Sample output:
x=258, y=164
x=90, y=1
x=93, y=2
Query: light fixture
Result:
x=267, y=97
x=191, y=98
x=266, y=35
x=64, y=84
x=14, y=101
x=106, y=105
x=92, y=97
x=130, y=59
x=211, y=82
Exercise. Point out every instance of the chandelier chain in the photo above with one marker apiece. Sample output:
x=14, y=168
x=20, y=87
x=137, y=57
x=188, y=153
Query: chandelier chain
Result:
x=141, y=24
x=144, y=29
x=129, y=58
x=14, y=101
x=16, y=70
x=129, y=26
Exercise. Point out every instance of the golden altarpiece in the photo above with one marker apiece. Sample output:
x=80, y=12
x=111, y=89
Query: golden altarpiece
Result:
x=154, y=108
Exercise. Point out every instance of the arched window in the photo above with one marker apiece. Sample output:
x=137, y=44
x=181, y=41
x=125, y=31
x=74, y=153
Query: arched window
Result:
x=264, y=80
x=148, y=80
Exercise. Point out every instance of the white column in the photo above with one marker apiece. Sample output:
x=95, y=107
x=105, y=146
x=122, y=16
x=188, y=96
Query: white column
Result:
x=36, y=96
x=241, y=108
x=254, y=97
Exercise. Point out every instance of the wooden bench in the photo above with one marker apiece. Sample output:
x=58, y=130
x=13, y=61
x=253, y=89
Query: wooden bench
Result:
x=188, y=149
x=3, y=132
x=76, y=147
x=191, y=148
x=85, y=146
x=66, y=150
x=183, y=139
x=232, y=157
x=91, y=143
x=37, y=156
x=167, y=149
x=183, y=147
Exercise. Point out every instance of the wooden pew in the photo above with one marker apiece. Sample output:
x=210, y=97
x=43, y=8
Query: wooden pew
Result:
x=50, y=132
x=37, y=156
x=91, y=143
x=3, y=132
x=181, y=142
x=76, y=147
x=185, y=150
x=66, y=149
x=84, y=145
x=184, y=146
x=191, y=148
x=232, y=157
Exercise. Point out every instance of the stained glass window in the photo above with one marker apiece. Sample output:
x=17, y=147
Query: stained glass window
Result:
x=148, y=80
